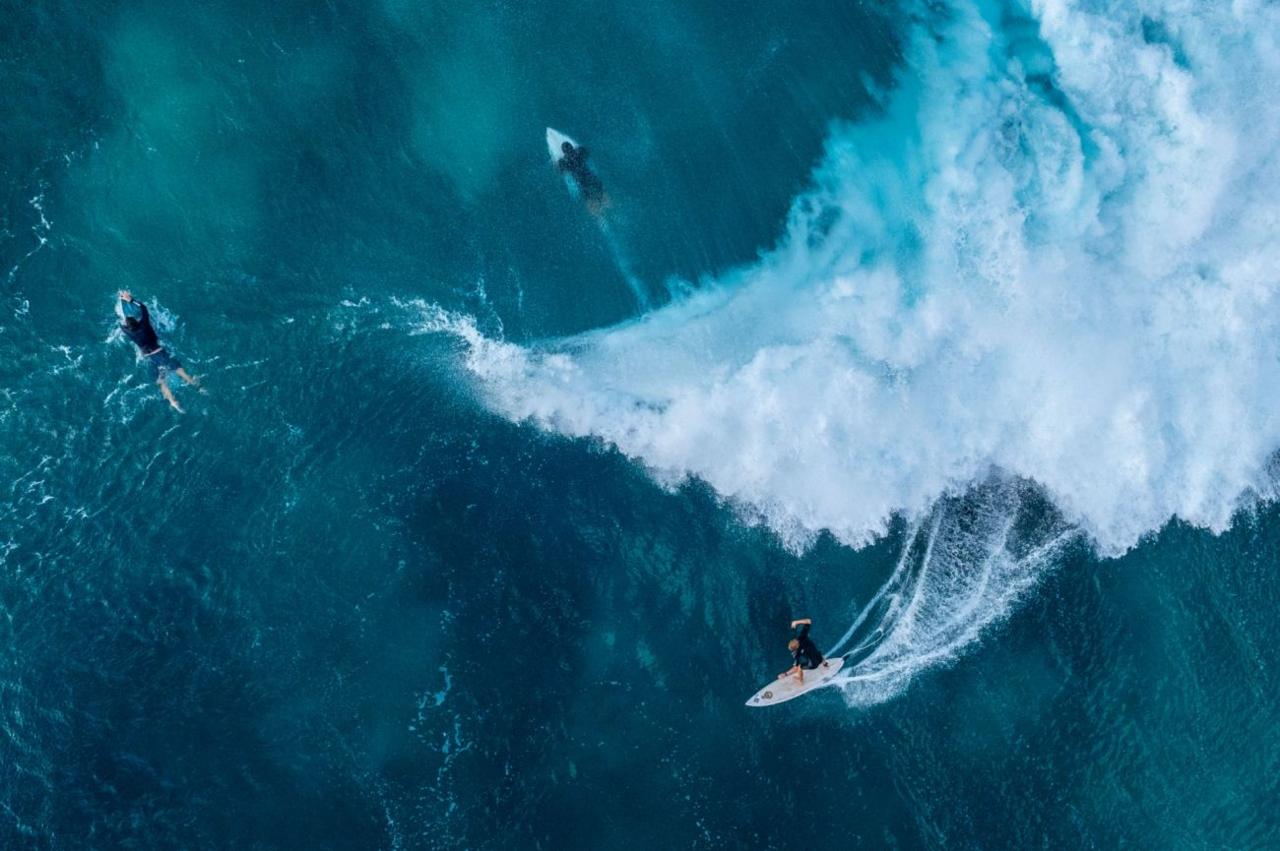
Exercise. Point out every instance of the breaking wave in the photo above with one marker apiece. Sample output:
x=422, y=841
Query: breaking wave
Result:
x=1051, y=259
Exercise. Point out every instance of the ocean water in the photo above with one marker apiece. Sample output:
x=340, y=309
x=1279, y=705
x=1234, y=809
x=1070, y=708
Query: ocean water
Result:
x=954, y=326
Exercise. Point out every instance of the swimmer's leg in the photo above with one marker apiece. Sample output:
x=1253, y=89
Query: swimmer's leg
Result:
x=168, y=394
x=193, y=380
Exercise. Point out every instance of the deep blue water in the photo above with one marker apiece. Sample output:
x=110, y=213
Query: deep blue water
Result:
x=359, y=598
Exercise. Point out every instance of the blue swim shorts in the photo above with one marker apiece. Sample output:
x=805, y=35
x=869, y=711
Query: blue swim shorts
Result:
x=160, y=363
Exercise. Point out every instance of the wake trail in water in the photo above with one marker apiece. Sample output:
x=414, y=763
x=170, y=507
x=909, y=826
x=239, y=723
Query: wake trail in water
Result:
x=623, y=262
x=959, y=574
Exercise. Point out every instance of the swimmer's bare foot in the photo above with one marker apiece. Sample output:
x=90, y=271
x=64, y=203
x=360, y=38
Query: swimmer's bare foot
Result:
x=169, y=397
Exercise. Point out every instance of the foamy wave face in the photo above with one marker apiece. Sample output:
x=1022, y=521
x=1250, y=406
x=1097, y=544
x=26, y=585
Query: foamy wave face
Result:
x=962, y=568
x=1054, y=255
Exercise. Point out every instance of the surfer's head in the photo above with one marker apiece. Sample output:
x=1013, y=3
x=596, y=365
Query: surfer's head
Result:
x=793, y=645
x=566, y=147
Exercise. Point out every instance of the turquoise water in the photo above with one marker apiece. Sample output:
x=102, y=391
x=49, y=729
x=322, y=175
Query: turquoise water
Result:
x=954, y=327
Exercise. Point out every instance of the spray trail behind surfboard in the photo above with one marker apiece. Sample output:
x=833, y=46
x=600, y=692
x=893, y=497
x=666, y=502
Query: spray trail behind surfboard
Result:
x=624, y=266
x=555, y=147
x=961, y=571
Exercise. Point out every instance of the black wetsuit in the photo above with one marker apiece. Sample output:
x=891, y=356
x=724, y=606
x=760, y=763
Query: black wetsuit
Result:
x=575, y=164
x=143, y=335
x=806, y=655
x=141, y=332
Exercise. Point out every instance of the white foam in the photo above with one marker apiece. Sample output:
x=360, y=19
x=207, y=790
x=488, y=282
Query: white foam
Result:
x=1086, y=296
x=1076, y=284
x=961, y=570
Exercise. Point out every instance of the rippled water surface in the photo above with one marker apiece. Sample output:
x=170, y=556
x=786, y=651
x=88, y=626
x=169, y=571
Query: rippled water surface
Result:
x=953, y=327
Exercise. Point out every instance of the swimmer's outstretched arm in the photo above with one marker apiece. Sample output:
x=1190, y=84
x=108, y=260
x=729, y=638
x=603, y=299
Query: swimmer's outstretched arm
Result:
x=795, y=623
x=125, y=295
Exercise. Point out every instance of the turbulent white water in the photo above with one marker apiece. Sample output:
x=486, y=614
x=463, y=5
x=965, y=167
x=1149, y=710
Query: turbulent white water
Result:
x=1054, y=255
x=962, y=568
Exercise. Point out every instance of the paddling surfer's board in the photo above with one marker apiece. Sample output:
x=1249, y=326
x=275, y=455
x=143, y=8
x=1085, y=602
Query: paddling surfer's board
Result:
x=789, y=688
x=555, y=144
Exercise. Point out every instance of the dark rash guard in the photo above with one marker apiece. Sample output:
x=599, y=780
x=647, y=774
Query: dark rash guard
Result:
x=806, y=655
x=575, y=164
x=141, y=332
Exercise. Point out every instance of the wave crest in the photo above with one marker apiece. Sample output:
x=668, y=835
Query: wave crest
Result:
x=1052, y=254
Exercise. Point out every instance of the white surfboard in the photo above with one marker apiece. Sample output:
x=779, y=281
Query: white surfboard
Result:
x=555, y=141
x=789, y=688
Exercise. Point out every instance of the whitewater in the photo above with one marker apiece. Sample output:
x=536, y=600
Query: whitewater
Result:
x=1046, y=266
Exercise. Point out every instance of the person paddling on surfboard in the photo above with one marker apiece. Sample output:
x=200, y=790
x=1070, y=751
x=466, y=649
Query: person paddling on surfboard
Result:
x=573, y=162
x=804, y=653
x=135, y=322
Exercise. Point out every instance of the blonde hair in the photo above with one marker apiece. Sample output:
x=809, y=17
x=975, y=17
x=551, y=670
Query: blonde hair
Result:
x=793, y=644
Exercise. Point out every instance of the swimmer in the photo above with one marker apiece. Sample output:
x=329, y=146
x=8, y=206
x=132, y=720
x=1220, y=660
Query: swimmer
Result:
x=136, y=324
